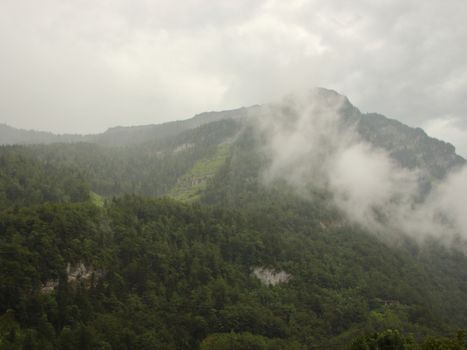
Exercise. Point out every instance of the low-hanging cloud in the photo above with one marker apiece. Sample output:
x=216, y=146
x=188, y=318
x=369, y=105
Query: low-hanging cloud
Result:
x=313, y=145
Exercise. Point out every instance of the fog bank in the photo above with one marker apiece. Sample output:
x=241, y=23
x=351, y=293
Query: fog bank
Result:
x=312, y=144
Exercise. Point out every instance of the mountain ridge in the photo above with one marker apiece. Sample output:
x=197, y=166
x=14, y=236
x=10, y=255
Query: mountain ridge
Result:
x=118, y=135
x=128, y=135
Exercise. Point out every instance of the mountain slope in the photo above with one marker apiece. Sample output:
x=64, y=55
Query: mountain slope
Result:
x=410, y=147
x=157, y=273
x=120, y=136
x=13, y=136
x=126, y=271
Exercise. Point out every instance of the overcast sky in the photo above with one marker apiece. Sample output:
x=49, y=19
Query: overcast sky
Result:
x=85, y=65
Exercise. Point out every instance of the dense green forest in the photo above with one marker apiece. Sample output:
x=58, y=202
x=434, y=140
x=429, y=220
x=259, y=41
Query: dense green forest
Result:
x=67, y=172
x=176, y=243
x=160, y=274
x=25, y=180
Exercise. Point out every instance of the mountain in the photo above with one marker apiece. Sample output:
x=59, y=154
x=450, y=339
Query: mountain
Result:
x=230, y=231
x=119, y=136
x=411, y=147
x=10, y=136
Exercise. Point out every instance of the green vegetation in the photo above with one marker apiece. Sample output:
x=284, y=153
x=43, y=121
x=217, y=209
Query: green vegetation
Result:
x=24, y=180
x=168, y=275
x=391, y=339
x=96, y=199
x=191, y=186
x=89, y=261
x=67, y=172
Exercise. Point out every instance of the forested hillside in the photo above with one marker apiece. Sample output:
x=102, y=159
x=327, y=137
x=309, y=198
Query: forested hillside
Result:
x=180, y=242
x=26, y=180
x=149, y=169
x=158, y=274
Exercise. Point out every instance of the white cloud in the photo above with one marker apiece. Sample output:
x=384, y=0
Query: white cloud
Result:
x=313, y=149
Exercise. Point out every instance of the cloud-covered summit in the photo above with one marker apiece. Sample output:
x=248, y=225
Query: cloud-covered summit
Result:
x=315, y=143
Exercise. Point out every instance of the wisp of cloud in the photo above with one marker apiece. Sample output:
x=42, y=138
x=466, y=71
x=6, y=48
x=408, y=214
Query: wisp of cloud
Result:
x=312, y=143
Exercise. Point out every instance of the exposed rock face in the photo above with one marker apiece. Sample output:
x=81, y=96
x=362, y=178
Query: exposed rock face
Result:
x=75, y=273
x=183, y=147
x=49, y=286
x=271, y=277
x=410, y=147
x=78, y=272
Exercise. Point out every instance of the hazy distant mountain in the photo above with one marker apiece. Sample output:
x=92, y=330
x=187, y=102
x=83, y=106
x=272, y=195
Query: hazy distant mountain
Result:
x=120, y=135
x=11, y=136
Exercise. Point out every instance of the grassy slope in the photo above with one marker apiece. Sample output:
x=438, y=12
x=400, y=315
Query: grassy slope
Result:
x=190, y=186
x=96, y=199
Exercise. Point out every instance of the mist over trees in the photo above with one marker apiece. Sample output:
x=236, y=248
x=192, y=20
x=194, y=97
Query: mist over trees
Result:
x=154, y=244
